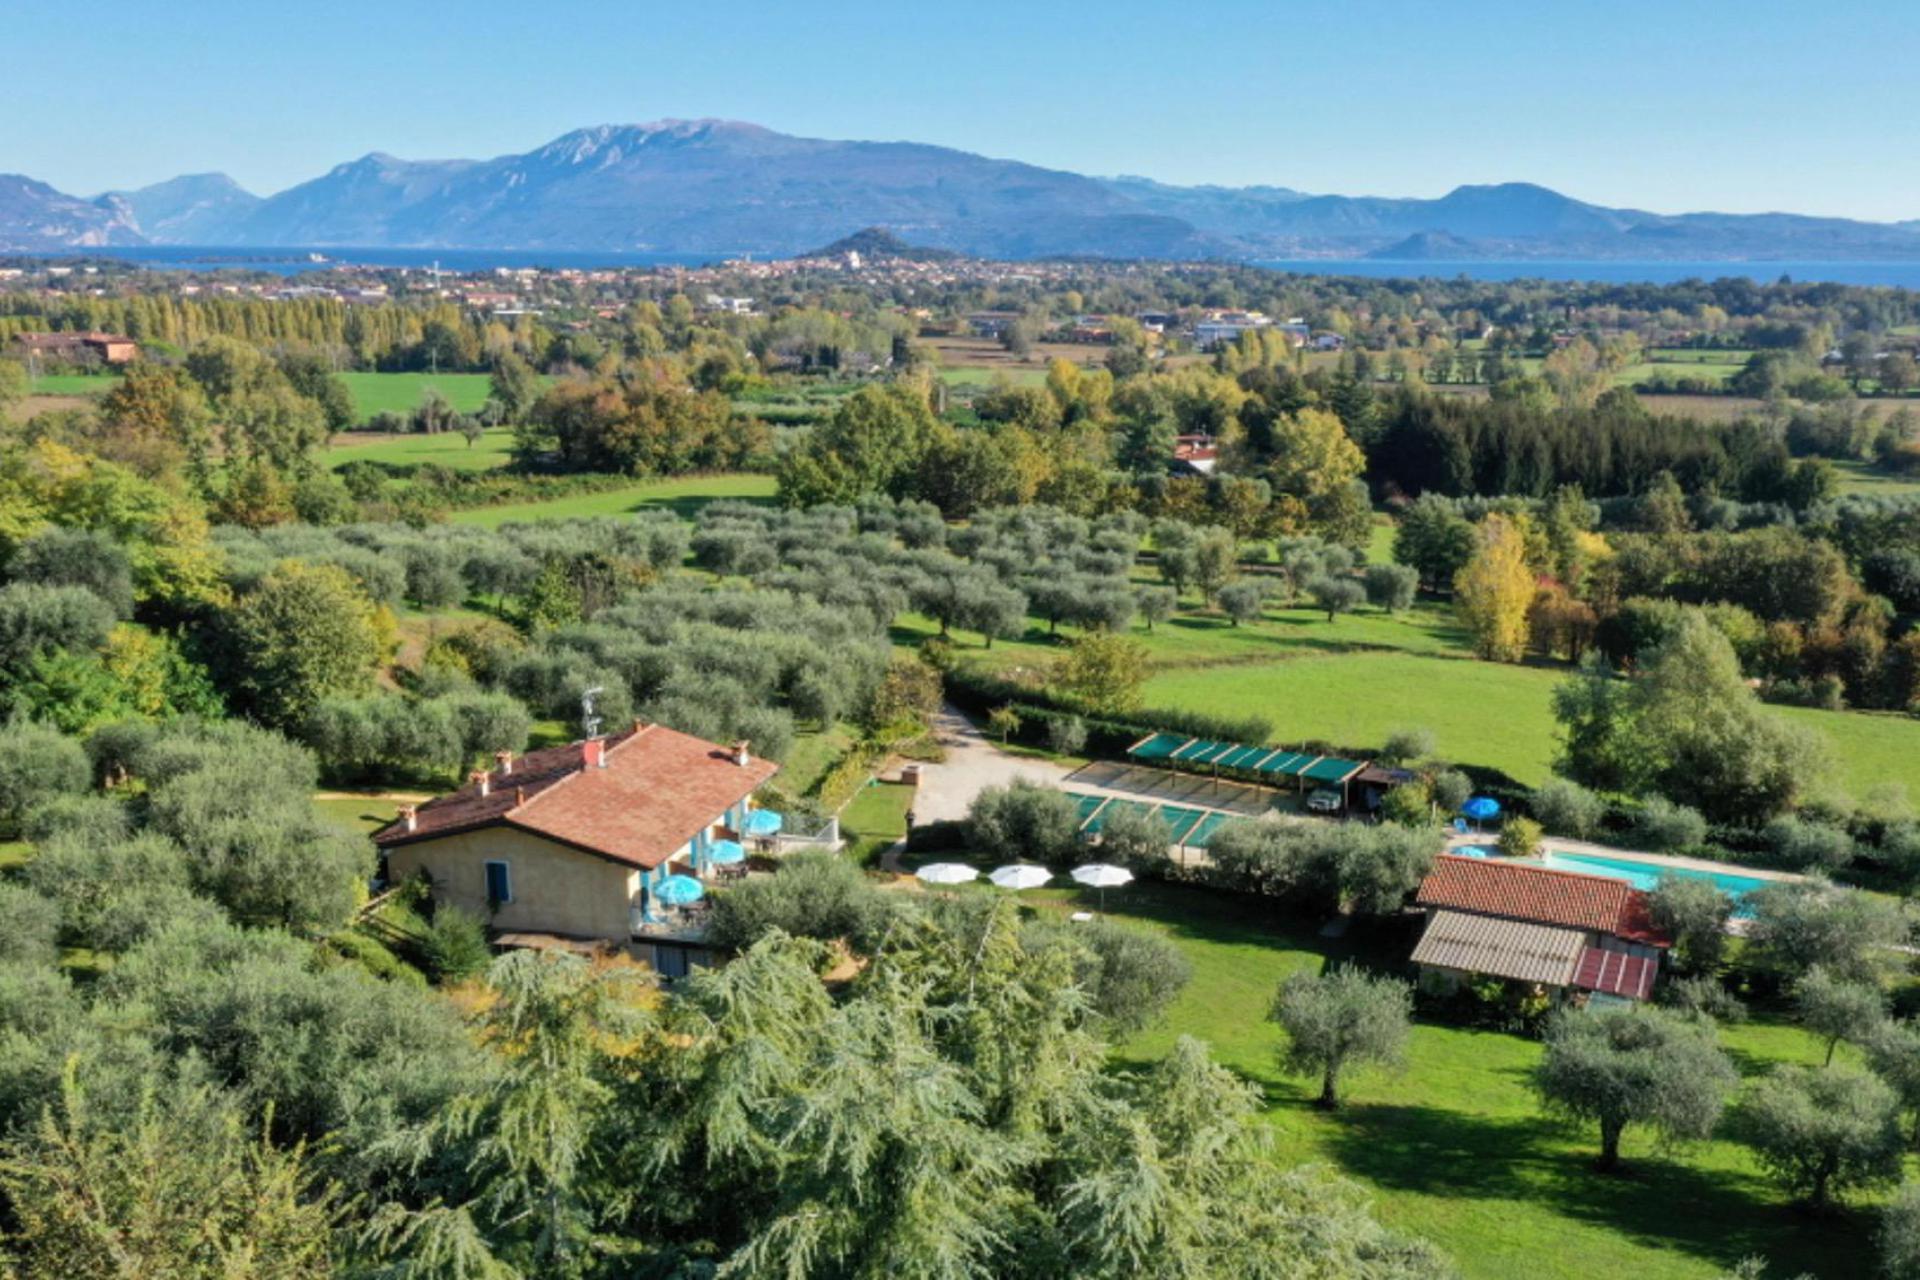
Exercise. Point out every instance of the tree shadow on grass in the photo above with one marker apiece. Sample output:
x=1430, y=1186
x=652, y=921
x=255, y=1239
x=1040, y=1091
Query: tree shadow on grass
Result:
x=1660, y=1202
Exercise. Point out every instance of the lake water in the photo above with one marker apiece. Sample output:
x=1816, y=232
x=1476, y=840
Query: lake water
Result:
x=1901, y=275
x=294, y=261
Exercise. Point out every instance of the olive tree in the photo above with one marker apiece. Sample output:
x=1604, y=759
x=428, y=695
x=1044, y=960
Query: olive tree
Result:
x=1835, y=1009
x=1341, y=1019
x=1566, y=808
x=1392, y=586
x=1024, y=822
x=1136, y=837
x=1336, y=595
x=37, y=763
x=1798, y=925
x=1624, y=1067
x=1694, y=913
x=1899, y=1235
x=1242, y=601
x=1156, y=604
x=1822, y=1132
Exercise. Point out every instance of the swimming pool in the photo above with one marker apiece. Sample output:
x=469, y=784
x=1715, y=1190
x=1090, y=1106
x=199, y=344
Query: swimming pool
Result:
x=1647, y=875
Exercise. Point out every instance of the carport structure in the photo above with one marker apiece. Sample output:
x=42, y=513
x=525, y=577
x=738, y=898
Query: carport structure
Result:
x=1269, y=765
x=1189, y=828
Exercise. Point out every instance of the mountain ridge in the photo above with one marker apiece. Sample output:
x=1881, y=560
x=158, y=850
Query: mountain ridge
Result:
x=726, y=187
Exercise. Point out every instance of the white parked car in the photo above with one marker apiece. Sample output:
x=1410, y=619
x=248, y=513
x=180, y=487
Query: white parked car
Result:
x=1323, y=800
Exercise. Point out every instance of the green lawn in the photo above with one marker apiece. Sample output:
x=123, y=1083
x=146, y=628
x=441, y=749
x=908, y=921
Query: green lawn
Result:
x=400, y=392
x=73, y=384
x=976, y=376
x=812, y=755
x=1380, y=540
x=874, y=819
x=1354, y=680
x=684, y=496
x=368, y=813
x=1480, y=712
x=1454, y=1145
x=444, y=448
x=1858, y=477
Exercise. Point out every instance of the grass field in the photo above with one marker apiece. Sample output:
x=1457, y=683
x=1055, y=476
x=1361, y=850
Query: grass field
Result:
x=73, y=384
x=400, y=392
x=1354, y=680
x=444, y=448
x=685, y=496
x=1858, y=477
x=1454, y=1145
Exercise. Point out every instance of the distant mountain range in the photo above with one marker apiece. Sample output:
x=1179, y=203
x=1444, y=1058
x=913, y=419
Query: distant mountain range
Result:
x=726, y=188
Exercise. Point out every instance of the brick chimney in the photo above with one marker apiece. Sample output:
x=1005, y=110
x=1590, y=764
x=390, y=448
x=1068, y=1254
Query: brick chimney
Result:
x=505, y=760
x=594, y=752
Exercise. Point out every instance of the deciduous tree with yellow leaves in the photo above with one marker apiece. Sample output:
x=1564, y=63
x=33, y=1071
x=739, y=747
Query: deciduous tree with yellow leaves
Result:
x=1494, y=591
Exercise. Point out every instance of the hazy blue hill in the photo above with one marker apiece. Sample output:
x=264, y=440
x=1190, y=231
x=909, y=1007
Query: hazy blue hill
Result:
x=35, y=218
x=719, y=187
x=195, y=208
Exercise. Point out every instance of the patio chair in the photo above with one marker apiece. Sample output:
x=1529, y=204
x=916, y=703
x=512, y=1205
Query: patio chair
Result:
x=1460, y=825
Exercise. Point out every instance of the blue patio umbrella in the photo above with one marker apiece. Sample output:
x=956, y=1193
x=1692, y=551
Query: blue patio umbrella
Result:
x=725, y=853
x=679, y=891
x=764, y=822
x=1481, y=808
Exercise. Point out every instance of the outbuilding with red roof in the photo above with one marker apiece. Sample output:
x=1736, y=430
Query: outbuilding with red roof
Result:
x=1558, y=930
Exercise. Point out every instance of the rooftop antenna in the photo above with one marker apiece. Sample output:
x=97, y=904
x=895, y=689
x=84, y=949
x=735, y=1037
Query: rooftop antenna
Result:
x=589, y=722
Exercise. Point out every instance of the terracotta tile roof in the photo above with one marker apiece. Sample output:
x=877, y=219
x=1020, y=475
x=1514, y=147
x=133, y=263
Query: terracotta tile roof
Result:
x=1616, y=973
x=657, y=790
x=1519, y=891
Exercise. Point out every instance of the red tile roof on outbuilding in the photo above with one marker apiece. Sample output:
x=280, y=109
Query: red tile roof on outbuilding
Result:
x=658, y=789
x=1518, y=891
x=1616, y=973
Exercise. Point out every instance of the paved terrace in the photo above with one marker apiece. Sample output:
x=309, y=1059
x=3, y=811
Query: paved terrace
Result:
x=975, y=763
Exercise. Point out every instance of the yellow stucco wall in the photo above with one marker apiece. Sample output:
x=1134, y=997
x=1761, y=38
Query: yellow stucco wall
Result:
x=555, y=889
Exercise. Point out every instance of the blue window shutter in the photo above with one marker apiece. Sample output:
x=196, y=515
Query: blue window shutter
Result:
x=499, y=883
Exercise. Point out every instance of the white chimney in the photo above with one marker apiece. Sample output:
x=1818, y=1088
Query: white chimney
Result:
x=505, y=760
x=740, y=754
x=482, y=777
x=412, y=816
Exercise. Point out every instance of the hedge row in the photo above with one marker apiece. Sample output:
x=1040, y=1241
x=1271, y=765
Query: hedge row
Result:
x=981, y=692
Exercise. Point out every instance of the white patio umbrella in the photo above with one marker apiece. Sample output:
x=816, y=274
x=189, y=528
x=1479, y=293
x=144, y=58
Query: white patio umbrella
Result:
x=1102, y=876
x=946, y=873
x=1020, y=875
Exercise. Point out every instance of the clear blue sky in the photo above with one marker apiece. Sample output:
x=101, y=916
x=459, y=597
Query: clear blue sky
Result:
x=1694, y=104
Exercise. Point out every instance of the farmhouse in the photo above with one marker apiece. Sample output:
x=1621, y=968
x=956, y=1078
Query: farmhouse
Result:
x=572, y=844
x=79, y=347
x=991, y=324
x=1194, y=455
x=1555, y=930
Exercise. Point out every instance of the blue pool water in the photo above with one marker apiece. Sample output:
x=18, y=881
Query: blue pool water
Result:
x=1473, y=851
x=1647, y=875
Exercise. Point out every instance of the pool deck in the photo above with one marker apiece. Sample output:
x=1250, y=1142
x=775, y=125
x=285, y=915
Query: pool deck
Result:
x=1557, y=844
